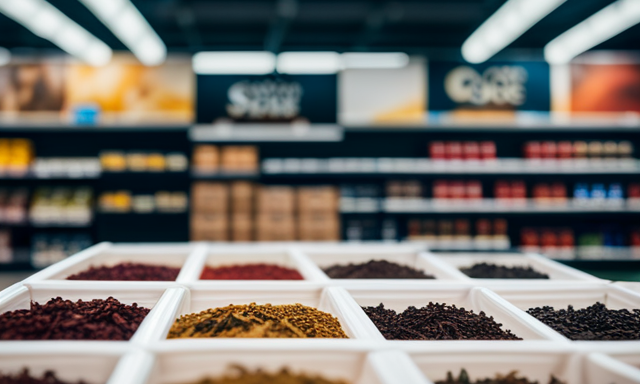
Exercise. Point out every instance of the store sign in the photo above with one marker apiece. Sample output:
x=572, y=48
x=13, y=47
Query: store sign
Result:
x=499, y=86
x=255, y=98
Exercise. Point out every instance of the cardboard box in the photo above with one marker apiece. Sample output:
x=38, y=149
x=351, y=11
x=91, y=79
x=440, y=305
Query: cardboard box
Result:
x=240, y=158
x=317, y=199
x=275, y=199
x=210, y=197
x=242, y=227
x=209, y=227
x=242, y=197
x=206, y=158
x=319, y=227
x=275, y=227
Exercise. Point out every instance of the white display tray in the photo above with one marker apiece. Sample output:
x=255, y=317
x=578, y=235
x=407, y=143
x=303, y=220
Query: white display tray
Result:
x=624, y=367
x=556, y=271
x=325, y=258
x=560, y=296
x=477, y=299
x=333, y=300
x=108, y=254
x=630, y=285
x=536, y=364
x=355, y=365
x=93, y=362
x=158, y=298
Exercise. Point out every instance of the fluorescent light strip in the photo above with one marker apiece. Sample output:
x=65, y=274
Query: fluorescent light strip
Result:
x=603, y=25
x=5, y=56
x=309, y=62
x=46, y=21
x=508, y=23
x=128, y=24
x=241, y=63
x=375, y=60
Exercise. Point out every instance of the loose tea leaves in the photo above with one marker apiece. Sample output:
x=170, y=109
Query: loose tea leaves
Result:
x=25, y=378
x=258, y=321
x=510, y=378
x=592, y=323
x=61, y=319
x=243, y=376
x=128, y=272
x=493, y=271
x=436, y=322
x=250, y=272
x=375, y=269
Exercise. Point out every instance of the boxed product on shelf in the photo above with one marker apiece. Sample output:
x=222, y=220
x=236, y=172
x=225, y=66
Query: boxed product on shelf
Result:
x=457, y=234
x=16, y=156
x=230, y=158
x=147, y=161
x=13, y=205
x=6, y=251
x=467, y=150
x=71, y=167
x=61, y=206
x=212, y=226
x=48, y=249
x=277, y=199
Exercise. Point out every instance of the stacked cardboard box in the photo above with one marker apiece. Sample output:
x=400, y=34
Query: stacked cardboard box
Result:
x=242, y=210
x=232, y=158
x=318, y=214
x=275, y=215
x=210, y=212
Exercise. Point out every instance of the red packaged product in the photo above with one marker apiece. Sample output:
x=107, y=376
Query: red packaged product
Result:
x=541, y=191
x=558, y=191
x=471, y=150
x=501, y=190
x=549, y=238
x=548, y=150
x=473, y=189
x=500, y=227
x=457, y=190
x=566, y=239
x=488, y=150
x=633, y=191
x=565, y=150
x=483, y=227
x=529, y=237
x=635, y=238
x=532, y=150
x=453, y=150
x=436, y=150
x=440, y=189
x=518, y=190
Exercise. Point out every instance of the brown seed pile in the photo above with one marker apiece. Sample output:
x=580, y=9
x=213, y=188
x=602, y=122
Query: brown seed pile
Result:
x=128, y=272
x=375, y=269
x=25, y=378
x=61, y=319
x=510, y=378
x=243, y=376
x=492, y=271
x=436, y=322
x=258, y=321
x=596, y=322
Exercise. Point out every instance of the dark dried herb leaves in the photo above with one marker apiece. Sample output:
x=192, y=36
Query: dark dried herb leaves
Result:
x=375, y=269
x=510, y=378
x=436, y=322
x=592, y=323
x=61, y=319
x=128, y=272
x=493, y=271
x=25, y=378
x=243, y=376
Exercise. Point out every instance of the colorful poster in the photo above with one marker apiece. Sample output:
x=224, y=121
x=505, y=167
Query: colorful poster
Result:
x=605, y=87
x=125, y=90
x=268, y=98
x=492, y=86
x=32, y=87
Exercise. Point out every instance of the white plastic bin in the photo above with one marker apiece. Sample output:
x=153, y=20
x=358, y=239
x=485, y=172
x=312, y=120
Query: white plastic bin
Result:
x=477, y=299
x=158, y=298
x=354, y=365
x=536, y=364
x=91, y=363
x=331, y=300
x=108, y=254
x=620, y=368
x=557, y=272
x=324, y=258
x=560, y=296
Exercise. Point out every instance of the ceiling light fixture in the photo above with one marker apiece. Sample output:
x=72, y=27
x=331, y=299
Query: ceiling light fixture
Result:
x=375, y=60
x=309, y=62
x=508, y=23
x=128, y=24
x=603, y=25
x=232, y=63
x=46, y=21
